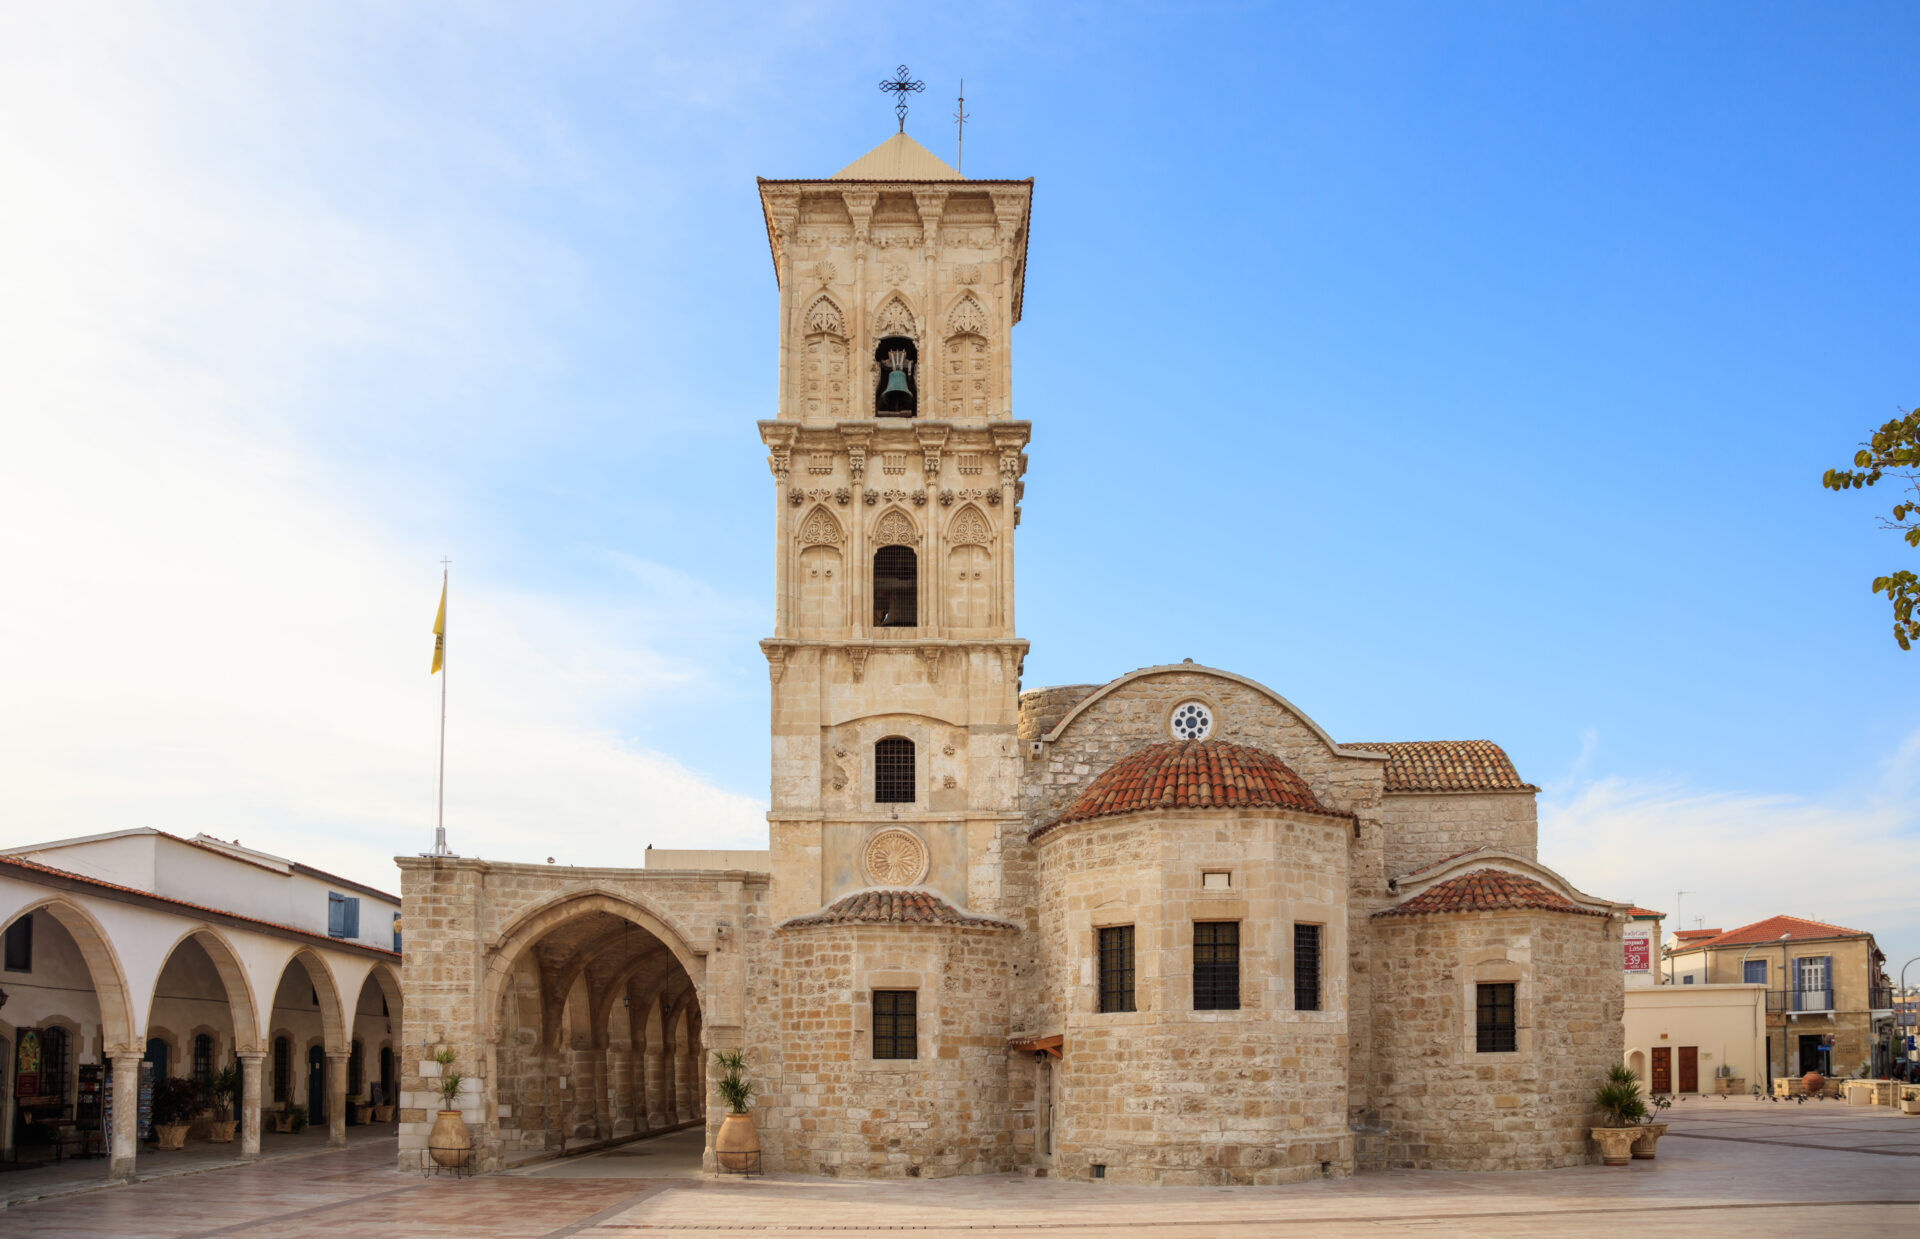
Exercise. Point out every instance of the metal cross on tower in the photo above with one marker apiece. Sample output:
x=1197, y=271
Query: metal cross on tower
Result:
x=900, y=87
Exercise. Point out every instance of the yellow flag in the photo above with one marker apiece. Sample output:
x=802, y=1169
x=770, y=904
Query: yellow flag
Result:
x=440, y=632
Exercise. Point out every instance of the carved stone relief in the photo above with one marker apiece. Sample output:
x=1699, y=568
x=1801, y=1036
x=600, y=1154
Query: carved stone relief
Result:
x=820, y=529
x=896, y=857
x=895, y=529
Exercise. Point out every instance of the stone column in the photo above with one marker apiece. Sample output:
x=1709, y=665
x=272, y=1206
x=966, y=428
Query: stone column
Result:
x=654, y=1076
x=682, y=1085
x=126, y=1117
x=602, y=1118
x=336, y=1101
x=250, y=1081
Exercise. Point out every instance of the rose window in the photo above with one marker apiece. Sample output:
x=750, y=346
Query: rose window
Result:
x=1191, y=721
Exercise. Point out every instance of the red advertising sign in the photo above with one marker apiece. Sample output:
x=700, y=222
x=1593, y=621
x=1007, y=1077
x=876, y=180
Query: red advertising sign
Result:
x=1639, y=954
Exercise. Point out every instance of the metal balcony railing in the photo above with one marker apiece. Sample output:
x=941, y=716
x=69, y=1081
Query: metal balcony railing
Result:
x=1789, y=1000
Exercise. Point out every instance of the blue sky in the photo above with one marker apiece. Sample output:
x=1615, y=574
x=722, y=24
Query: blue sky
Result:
x=1459, y=371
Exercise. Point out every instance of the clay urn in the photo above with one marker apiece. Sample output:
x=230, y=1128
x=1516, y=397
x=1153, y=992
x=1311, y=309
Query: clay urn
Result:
x=737, y=1145
x=1814, y=1082
x=449, y=1142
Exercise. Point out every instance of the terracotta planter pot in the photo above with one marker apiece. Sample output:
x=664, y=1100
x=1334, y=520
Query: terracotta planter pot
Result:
x=737, y=1146
x=1616, y=1143
x=223, y=1129
x=283, y=1120
x=448, y=1143
x=173, y=1135
x=1813, y=1082
x=362, y=1114
x=383, y=1114
x=1649, y=1137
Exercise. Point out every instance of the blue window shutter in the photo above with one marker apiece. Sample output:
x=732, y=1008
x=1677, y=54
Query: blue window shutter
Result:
x=1756, y=972
x=336, y=915
x=350, y=918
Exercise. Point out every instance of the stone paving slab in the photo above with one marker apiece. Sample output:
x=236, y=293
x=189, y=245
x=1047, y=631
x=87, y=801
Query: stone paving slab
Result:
x=1726, y=1175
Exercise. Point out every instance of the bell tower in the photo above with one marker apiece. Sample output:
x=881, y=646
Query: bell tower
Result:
x=897, y=467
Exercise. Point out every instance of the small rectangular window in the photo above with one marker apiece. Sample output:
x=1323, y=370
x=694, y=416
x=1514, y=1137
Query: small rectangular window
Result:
x=1496, y=1032
x=1756, y=972
x=896, y=1032
x=1216, y=965
x=343, y=916
x=1306, y=967
x=893, y=771
x=1217, y=880
x=1116, y=968
x=19, y=949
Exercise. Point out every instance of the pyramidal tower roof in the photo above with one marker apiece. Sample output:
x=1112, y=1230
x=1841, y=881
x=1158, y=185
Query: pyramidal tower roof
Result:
x=899, y=158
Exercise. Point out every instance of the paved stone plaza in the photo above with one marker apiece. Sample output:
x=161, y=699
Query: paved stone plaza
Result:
x=1729, y=1168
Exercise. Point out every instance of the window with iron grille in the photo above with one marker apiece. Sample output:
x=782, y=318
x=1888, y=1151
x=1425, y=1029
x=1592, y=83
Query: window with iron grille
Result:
x=19, y=950
x=1496, y=1029
x=896, y=587
x=1216, y=965
x=896, y=1032
x=1116, y=968
x=282, y=1070
x=54, y=1049
x=203, y=1060
x=893, y=771
x=1306, y=967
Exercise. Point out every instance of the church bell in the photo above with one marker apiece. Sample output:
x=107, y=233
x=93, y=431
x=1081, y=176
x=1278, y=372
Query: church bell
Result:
x=897, y=385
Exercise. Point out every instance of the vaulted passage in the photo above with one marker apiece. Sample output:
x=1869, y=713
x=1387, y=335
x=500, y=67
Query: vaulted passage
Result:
x=599, y=1038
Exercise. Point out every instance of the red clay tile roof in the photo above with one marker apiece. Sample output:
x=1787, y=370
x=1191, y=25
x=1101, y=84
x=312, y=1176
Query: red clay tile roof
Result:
x=1446, y=766
x=1486, y=890
x=1797, y=929
x=1644, y=912
x=1192, y=774
x=322, y=939
x=896, y=908
x=1689, y=935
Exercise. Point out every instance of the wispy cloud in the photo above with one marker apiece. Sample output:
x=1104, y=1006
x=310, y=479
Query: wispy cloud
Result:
x=217, y=601
x=1852, y=859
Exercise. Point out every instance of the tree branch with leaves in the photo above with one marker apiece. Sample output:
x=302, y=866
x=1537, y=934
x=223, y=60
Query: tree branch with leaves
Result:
x=1893, y=450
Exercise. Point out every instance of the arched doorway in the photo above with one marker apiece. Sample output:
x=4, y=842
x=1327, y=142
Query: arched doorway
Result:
x=68, y=1017
x=580, y=1043
x=201, y=1016
x=376, y=1021
x=310, y=1044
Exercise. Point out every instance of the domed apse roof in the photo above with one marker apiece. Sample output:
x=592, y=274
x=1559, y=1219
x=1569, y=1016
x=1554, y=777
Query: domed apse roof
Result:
x=896, y=907
x=1486, y=890
x=1193, y=774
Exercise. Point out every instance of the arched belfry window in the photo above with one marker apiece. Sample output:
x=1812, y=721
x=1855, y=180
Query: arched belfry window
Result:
x=898, y=393
x=893, y=771
x=896, y=587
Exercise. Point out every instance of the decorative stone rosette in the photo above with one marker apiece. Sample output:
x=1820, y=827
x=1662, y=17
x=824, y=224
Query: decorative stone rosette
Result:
x=896, y=857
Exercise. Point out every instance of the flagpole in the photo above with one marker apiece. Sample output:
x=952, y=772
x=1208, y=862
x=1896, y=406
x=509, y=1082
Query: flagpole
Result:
x=440, y=785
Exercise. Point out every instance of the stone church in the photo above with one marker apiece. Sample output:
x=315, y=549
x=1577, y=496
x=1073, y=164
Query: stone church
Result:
x=1164, y=929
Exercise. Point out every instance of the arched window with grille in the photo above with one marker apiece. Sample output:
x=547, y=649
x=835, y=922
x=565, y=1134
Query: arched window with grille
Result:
x=203, y=1060
x=893, y=771
x=896, y=587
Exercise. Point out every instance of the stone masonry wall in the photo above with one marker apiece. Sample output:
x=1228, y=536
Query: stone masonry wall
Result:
x=1167, y=1094
x=1424, y=827
x=1446, y=1106
x=832, y=1108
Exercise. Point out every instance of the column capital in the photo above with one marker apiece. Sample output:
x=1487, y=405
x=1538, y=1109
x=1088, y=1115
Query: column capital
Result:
x=253, y=1056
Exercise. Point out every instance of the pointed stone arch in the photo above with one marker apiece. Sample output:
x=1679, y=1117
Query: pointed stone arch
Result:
x=968, y=317
x=103, y=968
x=820, y=529
x=824, y=317
x=970, y=527
x=895, y=318
x=895, y=528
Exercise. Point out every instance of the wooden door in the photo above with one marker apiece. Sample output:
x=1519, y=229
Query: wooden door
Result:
x=1662, y=1070
x=1689, y=1069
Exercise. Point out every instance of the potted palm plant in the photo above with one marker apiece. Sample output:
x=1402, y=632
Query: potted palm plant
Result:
x=736, y=1147
x=448, y=1143
x=176, y=1100
x=225, y=1092
x=1621, y=1110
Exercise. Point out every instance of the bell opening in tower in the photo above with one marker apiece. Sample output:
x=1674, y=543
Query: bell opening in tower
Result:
x=896, y=395
x=896, y=587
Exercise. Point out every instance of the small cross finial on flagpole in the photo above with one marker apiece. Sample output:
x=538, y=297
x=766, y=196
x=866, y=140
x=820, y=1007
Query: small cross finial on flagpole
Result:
x=960, y=119
x=900, y=87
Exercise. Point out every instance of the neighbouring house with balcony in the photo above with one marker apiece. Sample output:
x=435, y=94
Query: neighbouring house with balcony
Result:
x=1829, y=1004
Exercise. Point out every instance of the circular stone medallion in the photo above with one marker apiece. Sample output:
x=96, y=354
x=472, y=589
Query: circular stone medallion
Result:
x=896, y=858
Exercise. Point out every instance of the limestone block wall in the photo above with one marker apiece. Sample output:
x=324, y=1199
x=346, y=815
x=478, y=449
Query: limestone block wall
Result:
x=1424, y=827
x=1165, y=1093
x=830, y=1107
x=1443, y=1105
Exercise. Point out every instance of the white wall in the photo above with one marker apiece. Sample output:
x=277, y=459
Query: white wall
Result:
x=1727, y=1023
